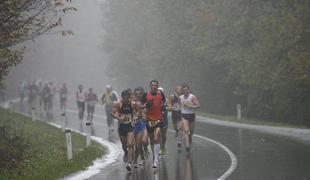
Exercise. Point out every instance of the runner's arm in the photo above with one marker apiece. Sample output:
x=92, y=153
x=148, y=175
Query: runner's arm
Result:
x=169, y=103
x=114, y=112
x=143, y=101
x=103, y=99
x=196, y=103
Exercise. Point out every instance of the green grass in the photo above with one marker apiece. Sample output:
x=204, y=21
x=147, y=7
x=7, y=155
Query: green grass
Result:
x=249, y=121
x=46, y=156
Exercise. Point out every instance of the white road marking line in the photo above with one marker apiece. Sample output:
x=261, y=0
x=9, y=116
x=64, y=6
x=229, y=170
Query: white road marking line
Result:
x=234, y=161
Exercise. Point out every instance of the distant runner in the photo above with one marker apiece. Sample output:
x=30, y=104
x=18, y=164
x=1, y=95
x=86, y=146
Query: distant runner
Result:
x=164, y=128
x=92, y=100
x=22, y=90
x=41, y=98
x=189, y=103
x=175, y=107
x=80, y=100
x=32, y=95
x=109, y=98
x=47, y=100
x=63, y=95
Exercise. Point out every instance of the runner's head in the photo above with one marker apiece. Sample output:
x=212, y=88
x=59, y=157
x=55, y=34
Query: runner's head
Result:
x=80, y=87
x=185, y=89
x=129, y=91
x=138, y=92
x=161, y=89
x=154, y=86
x=178, y=90
x=125, y=96
x=109, y=88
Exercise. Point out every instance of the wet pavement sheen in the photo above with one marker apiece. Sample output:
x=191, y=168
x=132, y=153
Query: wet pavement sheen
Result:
x=260, y=155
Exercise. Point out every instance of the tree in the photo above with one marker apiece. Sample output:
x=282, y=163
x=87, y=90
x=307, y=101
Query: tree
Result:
x=22, y=20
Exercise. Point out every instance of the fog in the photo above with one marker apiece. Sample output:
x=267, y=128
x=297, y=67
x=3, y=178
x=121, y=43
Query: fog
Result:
x=229, y=52
x=76, y=59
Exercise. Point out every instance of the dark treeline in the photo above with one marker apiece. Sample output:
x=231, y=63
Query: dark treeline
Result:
x=253, y=52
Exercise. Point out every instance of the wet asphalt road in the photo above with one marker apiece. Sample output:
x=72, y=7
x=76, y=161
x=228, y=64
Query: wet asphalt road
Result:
x=260, y=155
x=210, y=160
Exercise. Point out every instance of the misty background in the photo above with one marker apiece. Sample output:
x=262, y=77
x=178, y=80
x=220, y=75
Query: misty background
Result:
x=251, y=52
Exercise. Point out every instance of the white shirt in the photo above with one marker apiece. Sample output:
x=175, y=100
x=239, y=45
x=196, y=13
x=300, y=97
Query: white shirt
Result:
x=81, y=96
x=189, y=101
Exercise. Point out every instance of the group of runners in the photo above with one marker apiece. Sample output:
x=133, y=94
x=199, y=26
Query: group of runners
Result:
x=142, y=116
x=143, y=120
x=40, y=95
x=86, y=99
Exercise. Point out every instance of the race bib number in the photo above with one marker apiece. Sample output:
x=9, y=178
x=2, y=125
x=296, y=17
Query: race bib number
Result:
x=153, y=123
x=127, y=118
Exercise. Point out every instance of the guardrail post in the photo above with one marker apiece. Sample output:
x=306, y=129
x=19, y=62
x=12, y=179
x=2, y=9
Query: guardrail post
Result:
x=11, y=106
x=239, y=111
x=88, y=143
x=33, y=113
x=69, y=143
x=65, y=121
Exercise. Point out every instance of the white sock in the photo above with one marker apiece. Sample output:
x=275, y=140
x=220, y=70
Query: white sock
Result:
x=156, y=151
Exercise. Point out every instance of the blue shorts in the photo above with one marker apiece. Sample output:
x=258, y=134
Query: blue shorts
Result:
x=139, y=126
x=165, y=119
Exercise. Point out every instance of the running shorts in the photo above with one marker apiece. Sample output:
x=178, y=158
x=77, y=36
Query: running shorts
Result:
x=124, y=129
x=165, y=119
x=152, y=125
x=189, y=117
x=139, y=127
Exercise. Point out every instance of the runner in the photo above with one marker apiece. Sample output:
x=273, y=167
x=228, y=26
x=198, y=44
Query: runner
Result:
x=109, y=98
x=22, y=90
x=141, y=139
x=47, y=98
x=174, y=106
x=45, y=95
x=92, y=99
x=189, y=103
x=41, y=96
x=124, y=112
x=32, y=95
x=63, y=95
x=153, y=102
x=80, y=99
x=53, y=91
x=164, y=128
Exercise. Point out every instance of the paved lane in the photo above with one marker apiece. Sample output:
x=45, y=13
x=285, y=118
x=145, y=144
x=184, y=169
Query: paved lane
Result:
x=206, y=161
x=260, y=155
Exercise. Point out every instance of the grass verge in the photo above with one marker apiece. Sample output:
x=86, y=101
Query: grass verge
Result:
x=45, y=156
x=249, y=121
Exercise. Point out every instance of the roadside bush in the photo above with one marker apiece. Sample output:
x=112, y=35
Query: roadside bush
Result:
x=13, y=144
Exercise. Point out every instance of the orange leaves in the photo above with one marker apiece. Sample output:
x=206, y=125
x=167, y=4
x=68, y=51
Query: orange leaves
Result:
x=66, y=33
x=69, y=9
x=59, y=3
